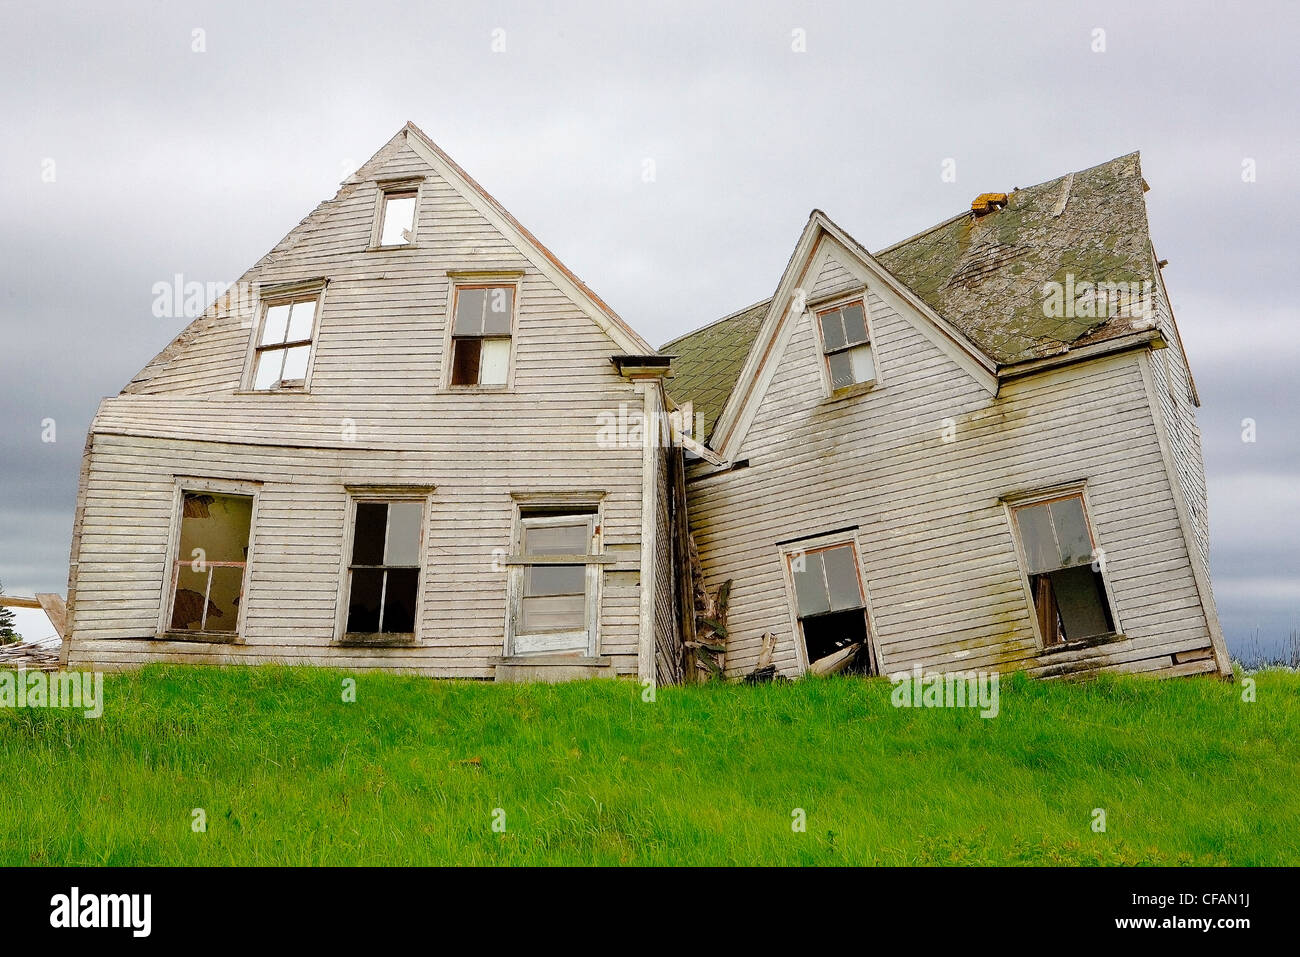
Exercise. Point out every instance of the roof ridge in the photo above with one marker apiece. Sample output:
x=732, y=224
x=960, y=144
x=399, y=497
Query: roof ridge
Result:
x=1019, y=189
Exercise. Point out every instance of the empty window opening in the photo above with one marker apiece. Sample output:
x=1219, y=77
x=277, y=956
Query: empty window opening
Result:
x=553, y=580
x=211, y=557
x=1067, y=583
x=830, y=606
x=481, y=328
x=384, y=573
x=284, y=345
x=846, y=345
x=397, y=223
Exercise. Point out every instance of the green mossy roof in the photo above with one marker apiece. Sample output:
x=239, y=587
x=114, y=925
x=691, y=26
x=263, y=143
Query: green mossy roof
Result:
x=984, y=274
x=708, y=362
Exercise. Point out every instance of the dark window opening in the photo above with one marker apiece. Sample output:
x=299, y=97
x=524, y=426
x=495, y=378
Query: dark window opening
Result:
x=1071, y=605
x=1065, y=577
x=831, y=609
x=824, y=635
x=384, y=573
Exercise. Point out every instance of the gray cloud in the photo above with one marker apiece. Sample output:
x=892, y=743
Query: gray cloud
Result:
x=172, y=161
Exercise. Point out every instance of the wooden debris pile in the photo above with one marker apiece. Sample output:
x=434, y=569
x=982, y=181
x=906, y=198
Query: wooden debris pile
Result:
x=764, y=671
x=30, y=656
x=706, y=651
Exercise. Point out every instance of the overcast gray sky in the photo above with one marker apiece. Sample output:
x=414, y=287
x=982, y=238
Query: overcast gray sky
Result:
x=167, y=160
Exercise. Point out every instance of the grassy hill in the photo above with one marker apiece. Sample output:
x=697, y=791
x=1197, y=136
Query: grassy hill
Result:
x=418, y=771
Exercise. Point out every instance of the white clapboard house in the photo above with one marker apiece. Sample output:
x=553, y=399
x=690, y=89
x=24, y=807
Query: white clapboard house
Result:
x=410, y=438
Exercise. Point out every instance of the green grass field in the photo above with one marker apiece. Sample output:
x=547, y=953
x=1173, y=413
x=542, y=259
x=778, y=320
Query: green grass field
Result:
x=414, y=772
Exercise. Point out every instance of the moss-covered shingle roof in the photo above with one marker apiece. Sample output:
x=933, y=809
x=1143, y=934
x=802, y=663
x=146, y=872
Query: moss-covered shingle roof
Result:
x=708, y=362
x=984, y=274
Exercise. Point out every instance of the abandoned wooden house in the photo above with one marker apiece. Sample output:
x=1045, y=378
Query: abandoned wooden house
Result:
x=976, y=449
x=410, y=438
x=364, y=461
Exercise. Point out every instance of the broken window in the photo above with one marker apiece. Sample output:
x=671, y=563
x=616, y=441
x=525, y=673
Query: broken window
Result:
x=397, y=218
x=211, y=557
x=829, y=603
x=846, y=345
x=552, y=579
x=384, y=572
x=481, y=328
x=284, y=345
x=1066, y=581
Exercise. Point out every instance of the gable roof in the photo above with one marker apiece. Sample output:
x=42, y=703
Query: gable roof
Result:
x=984, y=275
x=412, y=136
x=613, y=324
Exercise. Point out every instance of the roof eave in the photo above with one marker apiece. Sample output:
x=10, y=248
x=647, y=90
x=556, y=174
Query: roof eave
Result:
x=1143, y=339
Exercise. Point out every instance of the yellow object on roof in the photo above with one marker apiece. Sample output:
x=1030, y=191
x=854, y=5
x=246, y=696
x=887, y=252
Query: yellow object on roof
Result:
x=986, y=202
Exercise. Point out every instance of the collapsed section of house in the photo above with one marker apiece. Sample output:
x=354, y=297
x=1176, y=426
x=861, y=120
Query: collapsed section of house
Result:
x=410, y=438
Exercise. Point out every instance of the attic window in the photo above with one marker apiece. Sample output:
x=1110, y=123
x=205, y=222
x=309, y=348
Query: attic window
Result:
x=397, y=218
x=846, y=345
x=482, y=323
x=284, y=344
x=1065, y=579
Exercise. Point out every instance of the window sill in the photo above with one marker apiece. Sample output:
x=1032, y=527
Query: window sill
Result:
x=203, y=637
x=382, y=640
x=849, y=391
x=477, y=388
x=286, y=390
x=392, y=248
x=1084, y=643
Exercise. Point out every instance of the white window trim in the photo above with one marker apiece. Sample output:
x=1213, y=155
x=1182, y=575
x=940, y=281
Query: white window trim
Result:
x=562, y=508
x=471, y=280
x=835, y=301
x=383, y=189
x=356, y=494
x=785, y=551
x=187, y=483
x=1018, y=500
x=279, y=296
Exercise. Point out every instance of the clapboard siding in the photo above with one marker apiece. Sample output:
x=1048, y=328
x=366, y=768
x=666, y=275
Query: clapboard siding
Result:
x=1174, y=393
x=377, y=413
x=938, y=554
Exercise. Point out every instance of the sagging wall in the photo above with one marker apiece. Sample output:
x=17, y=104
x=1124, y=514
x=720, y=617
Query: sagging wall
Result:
x=938, y=556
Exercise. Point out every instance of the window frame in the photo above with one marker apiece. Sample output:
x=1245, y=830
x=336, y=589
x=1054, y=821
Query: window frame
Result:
x=387, y=495
x=458, y=281
x=817, y=543
x=531, y=512
x=286, y=295
x=384, y=189
x=816, y=309
x=181, y=484
x=1019, y=500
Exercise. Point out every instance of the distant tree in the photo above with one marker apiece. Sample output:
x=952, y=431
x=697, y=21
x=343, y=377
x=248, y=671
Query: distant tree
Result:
x=8, y=633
